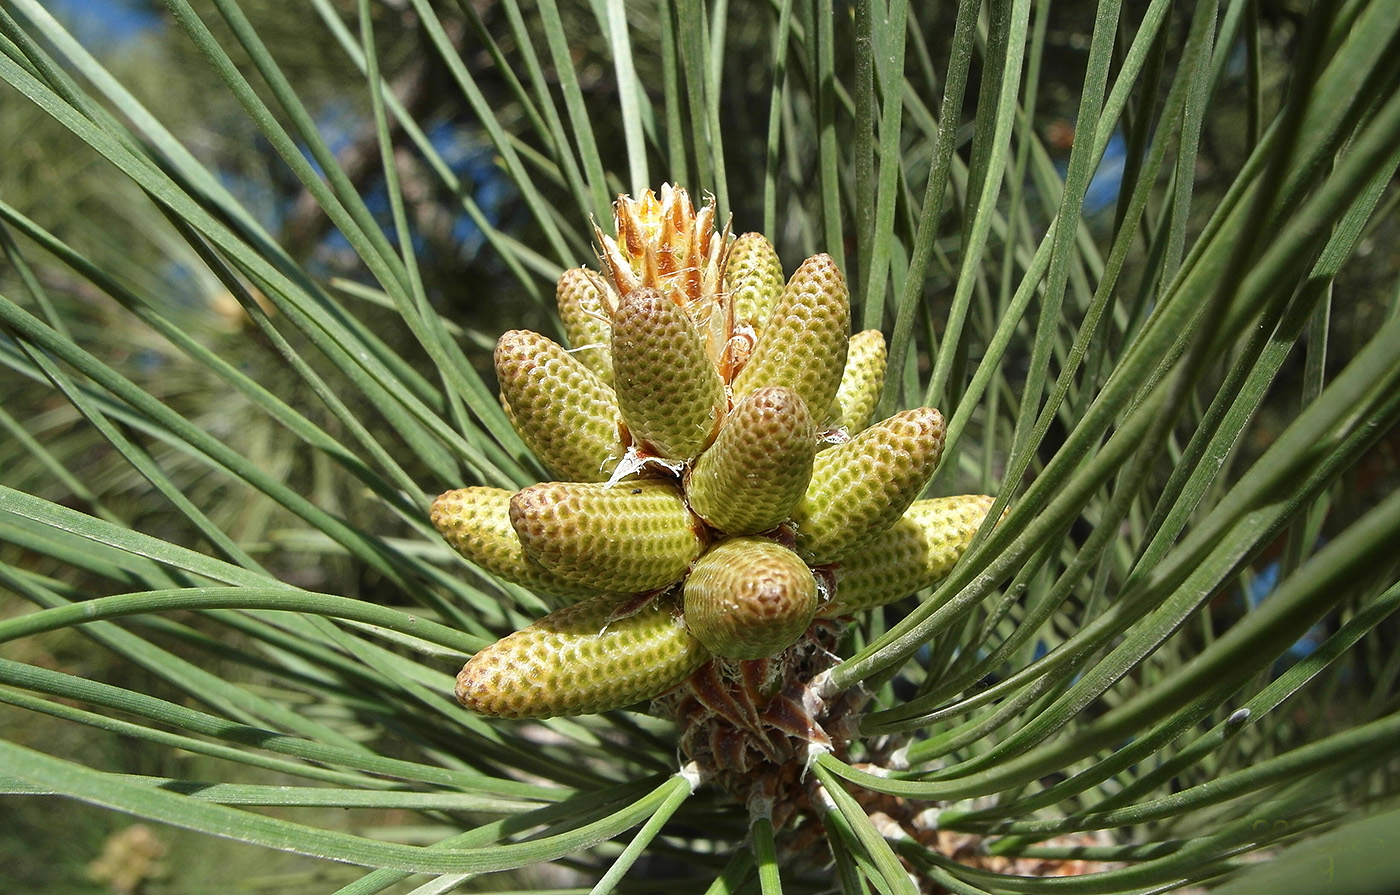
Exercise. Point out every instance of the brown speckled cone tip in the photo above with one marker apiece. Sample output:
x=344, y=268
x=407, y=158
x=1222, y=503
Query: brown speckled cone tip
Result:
x=701, y=497
x=759, y=467
x=749, y=598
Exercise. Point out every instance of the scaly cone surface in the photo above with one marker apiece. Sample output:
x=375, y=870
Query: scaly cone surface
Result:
x=754, y=276
x=803, y=343
x=701, y=494
x=914, y=553
x=749, y=598
x=630, y=537
x=862, y=487
x=669, y=394
x=476, y=521
x=759, y=467
x=579, y=660
x=564, y=413
x=582, y=296
x=861, y=382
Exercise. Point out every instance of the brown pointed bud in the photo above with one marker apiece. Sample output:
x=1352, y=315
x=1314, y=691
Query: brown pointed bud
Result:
x=749, y=598
x=667, y=244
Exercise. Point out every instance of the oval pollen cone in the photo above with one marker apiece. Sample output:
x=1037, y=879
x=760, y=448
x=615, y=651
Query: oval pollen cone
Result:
x=916, y=552
x=476, y=522
x=862, y=381
x=580, y=660
x=669, y=393
x=629, y=537
x=862, y=487
x=564, y=413
x=803, y=345
x=758, y=468
x=583, y=311
x=753, y=277
x=749, y=598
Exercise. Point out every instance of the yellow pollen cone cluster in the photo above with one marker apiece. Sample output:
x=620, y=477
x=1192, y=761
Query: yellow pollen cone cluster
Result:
x=710, y=427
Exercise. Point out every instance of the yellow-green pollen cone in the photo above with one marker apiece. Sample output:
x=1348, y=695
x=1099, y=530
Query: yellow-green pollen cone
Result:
x=754, y=276
x=916, y=552
x=804, y=342
x=581, y=295
x=581, y=659
x=564, y=413
x=476, y=521
x=861, y=488
x=759, y=467
x=669, y=393
x=749, y=598
x=707, y=489
x=629, y=537
x=862, y=381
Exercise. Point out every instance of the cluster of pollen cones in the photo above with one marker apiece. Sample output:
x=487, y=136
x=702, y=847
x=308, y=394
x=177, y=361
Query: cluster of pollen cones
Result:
x=723, y=499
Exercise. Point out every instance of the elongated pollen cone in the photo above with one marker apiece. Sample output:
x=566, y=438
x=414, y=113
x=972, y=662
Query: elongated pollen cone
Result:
x=862, y=381
x=916, y=552
x=862, y=487
x=584, y=312
x=624, y=538
x=476, y=522
x=669, y=392
x=759, y=466
x=749, y=598
x=579, y=660
x=803, y=345
x=564, y=413
x=753, y=276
